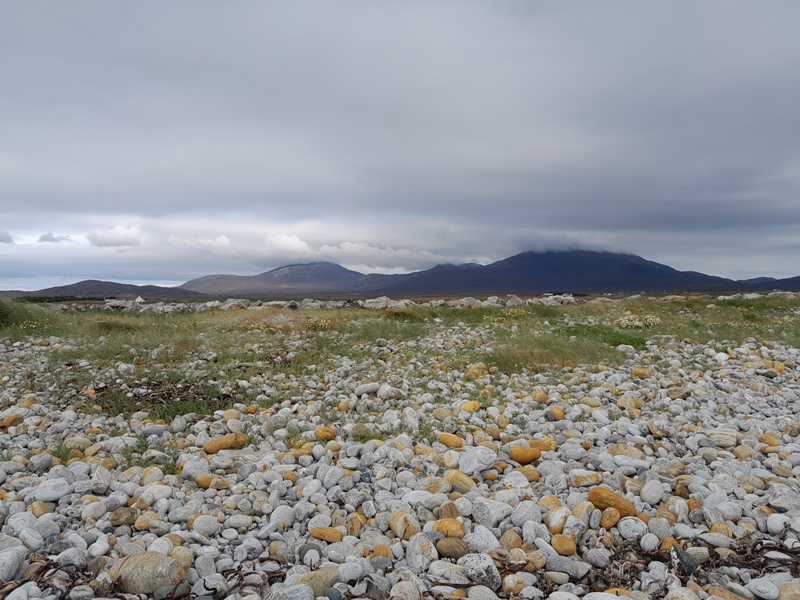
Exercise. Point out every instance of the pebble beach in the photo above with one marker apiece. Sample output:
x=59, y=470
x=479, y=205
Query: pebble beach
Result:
x=406, y=474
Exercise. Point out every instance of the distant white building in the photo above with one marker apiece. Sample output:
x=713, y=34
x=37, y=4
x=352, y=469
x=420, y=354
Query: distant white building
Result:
x=139, y=300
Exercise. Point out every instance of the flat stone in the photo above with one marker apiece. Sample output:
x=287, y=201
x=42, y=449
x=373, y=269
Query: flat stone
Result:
x=145, y=572
x=763, y=588
x=524, y=455
x=584, y=478
x=230, y=441
x=452, y=548
x=481, y=592
x=481, y=569
x=53, y=490
x=205, y=525
x=11, y=561
x=420, y=553
x=604, y=498
x=320, y=580
x=489, y=512
x=681, y=594
x=476, y=459
x=651, y=492
x=783, y=498
x=631, y=528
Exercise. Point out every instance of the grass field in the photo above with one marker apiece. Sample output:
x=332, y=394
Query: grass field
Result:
x=233, y=348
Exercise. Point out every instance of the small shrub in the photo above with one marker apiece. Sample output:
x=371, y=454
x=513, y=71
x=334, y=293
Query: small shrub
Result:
x=61, y=452
x=200, y=406
x=606, y=335
x=22, y=315
x=412, y=314
x=631, y=321
x=369, y=330
x=545, y=352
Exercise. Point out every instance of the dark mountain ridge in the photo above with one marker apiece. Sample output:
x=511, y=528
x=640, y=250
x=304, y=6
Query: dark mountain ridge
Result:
x=576, y=271
x=94, y=288
x=580, y=271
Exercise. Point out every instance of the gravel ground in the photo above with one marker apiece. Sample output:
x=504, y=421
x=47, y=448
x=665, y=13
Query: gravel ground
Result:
x=408, y=475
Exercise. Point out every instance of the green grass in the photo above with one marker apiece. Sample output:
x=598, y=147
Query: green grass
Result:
x=544, y=352
x=605, y=334
x=198, y=405
x=61, y=452
x=370, y=330
x=19, y=318
x=416, y=314
x=302, y=344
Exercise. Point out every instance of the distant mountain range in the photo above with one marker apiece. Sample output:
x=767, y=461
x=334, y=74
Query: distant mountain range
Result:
x=576, y=271
x=93, y=288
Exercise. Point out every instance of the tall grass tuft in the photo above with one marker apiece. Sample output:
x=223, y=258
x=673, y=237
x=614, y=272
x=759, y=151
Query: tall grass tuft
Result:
x=23, y=316
x=369, y=330
x=543, y=352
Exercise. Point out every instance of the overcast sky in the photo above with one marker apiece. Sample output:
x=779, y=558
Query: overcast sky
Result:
x=156, y=141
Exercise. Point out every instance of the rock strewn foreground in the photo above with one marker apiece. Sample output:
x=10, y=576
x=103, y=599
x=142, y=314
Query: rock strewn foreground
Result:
x=404, y=478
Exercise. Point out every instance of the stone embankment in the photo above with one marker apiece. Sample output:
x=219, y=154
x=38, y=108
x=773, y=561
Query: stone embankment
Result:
x=672, y=476
x=141, y=306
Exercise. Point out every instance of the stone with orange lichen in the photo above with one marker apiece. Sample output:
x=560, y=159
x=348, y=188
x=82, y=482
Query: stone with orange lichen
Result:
x=13, y=420
x=327, y=534
x=460, y=482
x=610, y=517
x=325, y=434
x=604, y=498
x=548, y=444
x=476, y=371
x=470, y=406
x=531, y=474
x=549, y=501
x=583, y=511
x=449, y=528
x=540, y=396
x=584, y=478
x=209, y=481
x=668, y=543
x=27, y=402
x=510, y=540
x=403, y=524
x=451, y=440
x=564, y=545
x=230, y=441
x=449, y=510
x=665, y=512
x=524, y=455
x=452, y=547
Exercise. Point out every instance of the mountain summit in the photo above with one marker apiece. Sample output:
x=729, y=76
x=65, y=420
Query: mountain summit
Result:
x=578, y=271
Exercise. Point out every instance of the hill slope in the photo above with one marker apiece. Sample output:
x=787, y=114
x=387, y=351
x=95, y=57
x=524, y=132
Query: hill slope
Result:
x=93, y=288
x=579, y=271
x=319, y=277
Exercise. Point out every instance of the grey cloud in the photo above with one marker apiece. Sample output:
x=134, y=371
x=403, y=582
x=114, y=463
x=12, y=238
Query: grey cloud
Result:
x=119, y=236
x=399, y=134
x=5, y=237
x=50, y=238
